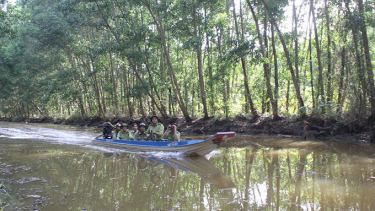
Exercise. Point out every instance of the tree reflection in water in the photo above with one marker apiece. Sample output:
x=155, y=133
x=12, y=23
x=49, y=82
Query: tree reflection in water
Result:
x=256, y=177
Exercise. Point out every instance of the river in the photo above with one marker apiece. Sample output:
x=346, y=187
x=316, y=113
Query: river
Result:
x=57, y=167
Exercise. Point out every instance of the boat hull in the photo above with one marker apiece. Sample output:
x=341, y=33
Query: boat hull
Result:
x=186, y=147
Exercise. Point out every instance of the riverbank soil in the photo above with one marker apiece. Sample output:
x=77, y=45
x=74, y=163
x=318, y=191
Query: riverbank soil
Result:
x=308, y=128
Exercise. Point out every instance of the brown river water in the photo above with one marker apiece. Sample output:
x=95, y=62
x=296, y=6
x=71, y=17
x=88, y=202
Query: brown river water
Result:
x=57, y=167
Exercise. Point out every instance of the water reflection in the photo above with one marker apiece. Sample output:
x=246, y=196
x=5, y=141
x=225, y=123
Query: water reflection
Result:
x=292, y=179
x=262, y=173
x=198, y=165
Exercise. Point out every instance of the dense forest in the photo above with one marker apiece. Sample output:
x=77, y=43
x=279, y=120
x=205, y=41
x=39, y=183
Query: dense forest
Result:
x=189, y=58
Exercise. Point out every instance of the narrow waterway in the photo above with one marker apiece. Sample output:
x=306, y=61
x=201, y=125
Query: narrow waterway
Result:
x=57, y=167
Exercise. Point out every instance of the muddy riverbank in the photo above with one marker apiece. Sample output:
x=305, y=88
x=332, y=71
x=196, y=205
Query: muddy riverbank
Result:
x=309, y=128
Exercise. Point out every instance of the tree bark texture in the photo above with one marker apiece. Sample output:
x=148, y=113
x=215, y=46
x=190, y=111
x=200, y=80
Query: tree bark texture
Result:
x=177, y=92
x=287, y=55
x=200, y=66
x=320, y=68
x=369, y=69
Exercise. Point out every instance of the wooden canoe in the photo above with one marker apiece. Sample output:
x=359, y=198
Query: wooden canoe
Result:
x=186, y=147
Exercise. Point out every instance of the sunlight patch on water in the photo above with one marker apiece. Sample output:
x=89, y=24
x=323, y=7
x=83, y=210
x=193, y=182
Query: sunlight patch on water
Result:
x=307, y=206
x=53, y=134
x=215, y=153
x=43, y=133
x=363, y=160
x=306, y=144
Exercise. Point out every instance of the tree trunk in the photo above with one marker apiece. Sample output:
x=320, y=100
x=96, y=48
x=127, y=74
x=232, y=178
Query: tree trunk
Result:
x=211, y=80
x=126, y=92
x=275, y=111
x=286, y=51
x=296, y=58
x=263, y=45
x=77, y=84
x=102, y=93
x=153, y=104
x=37, y=107
x=175, y=84
x=200, y=66
x=243, y=61
x=88, y=65
x=162, y=109
x=340, y=99
x=149, y=92
x=321, y=86
x=287, y=96
x=209, y=67
x=97, y=91
x=311, y=71
x=224, y=81
x=114, y=81
x=370, y=73
x=362, y=95
x=329, y=68
x=244, y=67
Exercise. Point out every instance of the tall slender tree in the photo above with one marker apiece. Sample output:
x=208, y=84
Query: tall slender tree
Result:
x=318, y=54
x=287, y=55
x=241, y=37
x=366, y=47
x=329, y=59
x=199, y=60
x=159, y=25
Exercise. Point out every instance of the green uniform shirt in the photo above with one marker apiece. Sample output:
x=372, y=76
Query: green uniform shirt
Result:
x=115, y=133
x=124, y=136
x=131, y=134
x=170, y=136
x=139, y=136
x=159, y=128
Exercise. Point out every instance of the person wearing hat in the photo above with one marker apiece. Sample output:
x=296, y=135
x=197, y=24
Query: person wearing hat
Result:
x=121, y=121
x=117, y=130
x=135, y=129
x=171, y=134
x=124, y=133
x=107, y=129
x=141, y=134
x=155, y=129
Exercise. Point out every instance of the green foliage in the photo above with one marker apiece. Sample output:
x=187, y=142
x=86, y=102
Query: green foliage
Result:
x=89, y=57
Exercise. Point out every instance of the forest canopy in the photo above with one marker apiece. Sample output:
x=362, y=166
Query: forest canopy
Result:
x=190, y=58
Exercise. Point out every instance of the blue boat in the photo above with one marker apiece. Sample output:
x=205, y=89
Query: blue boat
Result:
x=185, y=147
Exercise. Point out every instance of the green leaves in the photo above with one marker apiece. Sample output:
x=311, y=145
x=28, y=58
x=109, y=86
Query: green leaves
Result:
x=98, y=52
x=241, y=49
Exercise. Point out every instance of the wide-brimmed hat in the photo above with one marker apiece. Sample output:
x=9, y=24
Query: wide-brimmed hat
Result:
x=153, y=117
x=124, y=125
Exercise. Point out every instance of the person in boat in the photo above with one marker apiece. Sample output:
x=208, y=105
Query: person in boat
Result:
x=121, y=121
x=141, y=134
x=124, y=133
x=134, y=130
x=107, y=129
x=171, y=134
x=155, y=129
x=117, y=130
